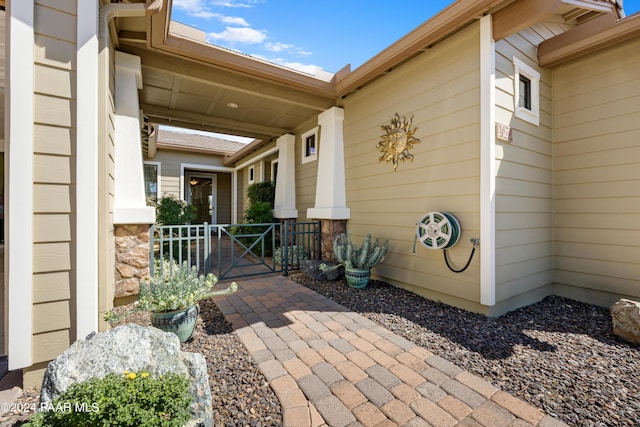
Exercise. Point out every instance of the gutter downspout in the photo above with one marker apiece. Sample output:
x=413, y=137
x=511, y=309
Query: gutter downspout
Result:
x=108, y=12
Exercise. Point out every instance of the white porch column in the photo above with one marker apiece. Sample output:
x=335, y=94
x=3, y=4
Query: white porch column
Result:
x=129, y=205
x=87, y=170
x=19, y=119
x=285, y=201
x=331, y=199
x=487, y=163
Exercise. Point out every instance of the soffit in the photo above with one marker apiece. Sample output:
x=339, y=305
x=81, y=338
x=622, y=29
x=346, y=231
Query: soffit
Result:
x=186, y=89
x=189, y=83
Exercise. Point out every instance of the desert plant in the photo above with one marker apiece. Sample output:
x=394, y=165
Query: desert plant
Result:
x=173, y=287
x=120, y=400
x=351, y=256
x=295, y=255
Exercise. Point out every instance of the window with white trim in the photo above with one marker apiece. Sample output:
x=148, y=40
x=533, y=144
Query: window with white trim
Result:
x=252, y=174
x=526, y=82
x=151, y=182
x=274, y=170
x=310, y=145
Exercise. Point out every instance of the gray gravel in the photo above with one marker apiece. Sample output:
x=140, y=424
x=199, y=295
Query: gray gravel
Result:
x=241, y=396
x=559, y=355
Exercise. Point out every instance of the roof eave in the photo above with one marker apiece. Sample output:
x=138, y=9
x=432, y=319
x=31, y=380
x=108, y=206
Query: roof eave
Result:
x=230, y=160
x=160, y=37
x=588, y=38
x=449, y=20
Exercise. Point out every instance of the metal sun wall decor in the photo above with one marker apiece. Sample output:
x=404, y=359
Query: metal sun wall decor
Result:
x=397, y=141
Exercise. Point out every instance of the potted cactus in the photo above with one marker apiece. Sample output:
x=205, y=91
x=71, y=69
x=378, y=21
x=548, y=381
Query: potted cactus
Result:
x=358, y=261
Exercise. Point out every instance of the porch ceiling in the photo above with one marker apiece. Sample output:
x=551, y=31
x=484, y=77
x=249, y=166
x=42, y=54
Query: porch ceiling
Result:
x=185, y=91
x=189, y=83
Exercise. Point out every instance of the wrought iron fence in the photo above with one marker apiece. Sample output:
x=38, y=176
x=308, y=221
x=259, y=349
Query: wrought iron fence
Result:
x=237, y=250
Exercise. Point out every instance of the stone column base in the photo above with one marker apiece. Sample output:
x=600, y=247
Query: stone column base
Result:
x=331, y=228
x=132, y=258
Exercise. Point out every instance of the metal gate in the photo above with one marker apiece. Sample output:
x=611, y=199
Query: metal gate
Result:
x=237, y=250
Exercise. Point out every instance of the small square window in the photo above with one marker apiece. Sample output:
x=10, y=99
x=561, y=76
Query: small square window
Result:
x=310, y=145
x=527, y=92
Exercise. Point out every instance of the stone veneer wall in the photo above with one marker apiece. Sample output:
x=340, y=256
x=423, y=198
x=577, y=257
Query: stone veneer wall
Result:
x=132, y=258
x=331, y=228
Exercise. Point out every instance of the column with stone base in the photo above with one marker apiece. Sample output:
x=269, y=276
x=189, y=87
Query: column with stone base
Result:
x=330, y=204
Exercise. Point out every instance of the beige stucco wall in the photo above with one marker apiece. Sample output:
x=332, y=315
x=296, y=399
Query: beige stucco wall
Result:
x=441, y=89
x=596, y=203
x=524, y=264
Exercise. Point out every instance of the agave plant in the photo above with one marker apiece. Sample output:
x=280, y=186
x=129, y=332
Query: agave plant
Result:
x=364, y=257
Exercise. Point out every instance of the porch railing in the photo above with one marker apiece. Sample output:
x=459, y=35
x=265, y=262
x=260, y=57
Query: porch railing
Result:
x=237, y=250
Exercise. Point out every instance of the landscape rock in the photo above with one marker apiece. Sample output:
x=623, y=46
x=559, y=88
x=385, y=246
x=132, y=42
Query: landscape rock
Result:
x=132, y=348
x=625, y=315
x=312, y=269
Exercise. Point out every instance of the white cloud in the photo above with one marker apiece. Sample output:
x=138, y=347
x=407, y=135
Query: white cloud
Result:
x=234, y=20
x=238, y=35
x=305, y=68
x=199, y=9
x=278, y=47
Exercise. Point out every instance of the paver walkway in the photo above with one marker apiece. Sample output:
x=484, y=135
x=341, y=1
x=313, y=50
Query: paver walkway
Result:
x=333, y=367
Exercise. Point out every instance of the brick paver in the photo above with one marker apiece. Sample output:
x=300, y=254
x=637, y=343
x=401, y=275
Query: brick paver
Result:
x=332, y=367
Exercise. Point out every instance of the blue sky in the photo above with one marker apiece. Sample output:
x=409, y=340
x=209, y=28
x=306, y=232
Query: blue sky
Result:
x=327, y=34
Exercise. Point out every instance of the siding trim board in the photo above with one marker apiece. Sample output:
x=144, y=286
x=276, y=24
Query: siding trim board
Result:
x=87, y=170
x=487, y=163
x=20, y=132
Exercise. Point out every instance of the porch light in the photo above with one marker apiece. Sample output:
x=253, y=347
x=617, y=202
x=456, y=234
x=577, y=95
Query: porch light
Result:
x=232, y=105
x=193, y=181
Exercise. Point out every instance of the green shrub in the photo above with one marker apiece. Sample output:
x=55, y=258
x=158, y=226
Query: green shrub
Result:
x=171, y=211
x=259, y=213
x=120, y=400
x=262, y=192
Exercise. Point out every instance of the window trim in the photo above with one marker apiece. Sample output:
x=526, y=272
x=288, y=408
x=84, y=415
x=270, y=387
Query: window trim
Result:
x=251, y=174
x=274, y=164
x=531, y=115
x=158, y=166
x=311, y=157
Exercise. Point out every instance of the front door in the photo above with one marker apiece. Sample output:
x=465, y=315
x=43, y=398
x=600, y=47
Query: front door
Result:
x=201, y=194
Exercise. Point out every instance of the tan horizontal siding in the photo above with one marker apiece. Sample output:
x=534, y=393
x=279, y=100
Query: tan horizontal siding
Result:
x=170, y=168
x=52, y=169
x=51, y=316
x=54, y=175
x=52, y=228
x=440, y=88
x=524, y=174
x=49, y=345
x=53, y=140
x=596, y=177
x=306, y=174
x=51, y=286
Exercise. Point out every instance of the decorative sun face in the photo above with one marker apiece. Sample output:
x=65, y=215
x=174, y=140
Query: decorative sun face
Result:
x=397, y=141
